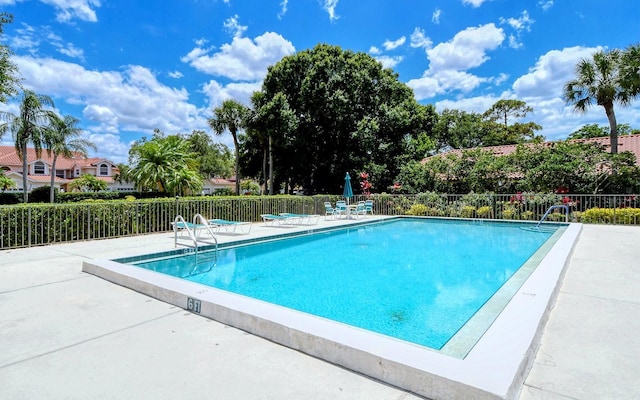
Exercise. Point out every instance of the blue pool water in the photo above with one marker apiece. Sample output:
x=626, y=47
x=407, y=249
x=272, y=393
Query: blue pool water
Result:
x=418, y=280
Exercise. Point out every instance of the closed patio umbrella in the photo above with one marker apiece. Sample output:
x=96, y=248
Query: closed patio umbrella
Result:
x=348, y=192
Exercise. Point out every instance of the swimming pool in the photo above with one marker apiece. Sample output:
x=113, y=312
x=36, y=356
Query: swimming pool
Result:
x=412, y=279
x=484, y=359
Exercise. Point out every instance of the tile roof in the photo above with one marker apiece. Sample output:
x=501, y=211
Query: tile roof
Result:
x=9, y=156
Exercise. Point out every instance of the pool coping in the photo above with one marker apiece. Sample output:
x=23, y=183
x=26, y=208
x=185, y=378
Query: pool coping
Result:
x=495, y=368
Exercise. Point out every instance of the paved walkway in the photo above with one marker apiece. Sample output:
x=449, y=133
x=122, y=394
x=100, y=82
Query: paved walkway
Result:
x=65, y=334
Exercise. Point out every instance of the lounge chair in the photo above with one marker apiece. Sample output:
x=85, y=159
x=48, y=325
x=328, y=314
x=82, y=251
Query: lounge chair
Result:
x=368, y=207
x=277, y=220
x=329, y=210
x=302, y=219
x=233, y=227
x=185, y=227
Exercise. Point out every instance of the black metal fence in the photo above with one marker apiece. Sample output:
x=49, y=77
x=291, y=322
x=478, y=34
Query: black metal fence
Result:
x=35, y=225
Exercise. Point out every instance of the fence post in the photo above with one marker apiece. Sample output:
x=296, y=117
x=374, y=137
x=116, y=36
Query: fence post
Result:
x=29, y=226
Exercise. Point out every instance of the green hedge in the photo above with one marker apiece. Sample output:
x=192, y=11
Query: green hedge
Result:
x=627, y=216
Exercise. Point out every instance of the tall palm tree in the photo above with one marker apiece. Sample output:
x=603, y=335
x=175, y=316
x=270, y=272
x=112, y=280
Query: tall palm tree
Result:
x=28, y=127
x=231, y=116
x=63, y=138
x=599, y=81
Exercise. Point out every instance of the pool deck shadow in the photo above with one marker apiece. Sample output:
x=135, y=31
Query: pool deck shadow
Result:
x=67, y=334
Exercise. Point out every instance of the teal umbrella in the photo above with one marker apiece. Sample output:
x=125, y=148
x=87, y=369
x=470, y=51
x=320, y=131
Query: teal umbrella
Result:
x=348, y=192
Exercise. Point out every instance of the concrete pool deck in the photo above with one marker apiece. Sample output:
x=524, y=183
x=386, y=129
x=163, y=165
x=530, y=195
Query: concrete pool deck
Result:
x=67, y=334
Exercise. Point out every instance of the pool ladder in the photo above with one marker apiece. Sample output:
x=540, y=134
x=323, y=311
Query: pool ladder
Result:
x=566, y=213
x=199, y=222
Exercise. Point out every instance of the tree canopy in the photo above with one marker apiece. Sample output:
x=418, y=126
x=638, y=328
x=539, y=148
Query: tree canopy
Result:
x=9, y=81
x=344, y=112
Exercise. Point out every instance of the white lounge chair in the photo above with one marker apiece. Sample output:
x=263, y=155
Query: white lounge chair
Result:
x=233, y=227
x=277, y=220
x=302, y=219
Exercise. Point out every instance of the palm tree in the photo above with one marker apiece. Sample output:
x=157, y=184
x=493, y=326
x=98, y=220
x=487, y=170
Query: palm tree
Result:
x=631, y=69
x=230, y=116
x=63, y=138
x=165, y=164
x=599, y=81
x=28, y=127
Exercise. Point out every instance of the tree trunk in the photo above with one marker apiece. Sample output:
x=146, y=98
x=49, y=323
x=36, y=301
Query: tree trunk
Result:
x=270, y=167
x=53, y=177
x=265, y=178
x=237, y=152
x=608, y=108
x=25, y=172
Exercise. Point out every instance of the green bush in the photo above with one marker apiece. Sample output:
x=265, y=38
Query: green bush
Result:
x=485, y=212
x=418, y=210
x=630, y=216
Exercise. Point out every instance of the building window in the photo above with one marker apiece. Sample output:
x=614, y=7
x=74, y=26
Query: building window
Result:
x=38, y=168
x=104, y=170
x=77, y=172
x=60, y=173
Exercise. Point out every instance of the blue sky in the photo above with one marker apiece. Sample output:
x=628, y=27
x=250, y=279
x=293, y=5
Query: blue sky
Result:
x=125, y=67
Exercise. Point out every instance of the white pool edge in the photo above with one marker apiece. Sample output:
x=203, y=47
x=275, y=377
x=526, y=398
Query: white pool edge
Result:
x=495, y=368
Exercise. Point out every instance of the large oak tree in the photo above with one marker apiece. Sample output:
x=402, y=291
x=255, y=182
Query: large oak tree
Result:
x=347, y=113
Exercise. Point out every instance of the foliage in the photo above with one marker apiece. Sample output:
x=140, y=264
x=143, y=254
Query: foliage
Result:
x=165, y=164
x=41, y=194
x=457, y=129
x=350, y=115
x=601, y=81
x=501, y=133
x=63, y=139
x=249, y=187
x=6, y=182
x=29, y=127
x=87, y=183
x=9, y=81
x=611, y=215
x=545, y=167
x=231, y=116
x=589, y=131
x=630, y=69
x=213, y=159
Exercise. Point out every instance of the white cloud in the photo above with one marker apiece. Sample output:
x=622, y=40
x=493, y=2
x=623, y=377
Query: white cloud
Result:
x=545, y=4
x=435, y=17
x=374, y=50
x=520, y=25
x=546, y=79
x=232, y=26
x=242, y=59
x=419, y=39
x=474, y=3
x=389, y=61
x=450, y=60
x=175, y=74
x=114, y=101
x=241, y=92
x=283, y=8
x=478, y=104
x=394, y=44
x=66, y=10
x=467, y=49
x=330, y=7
